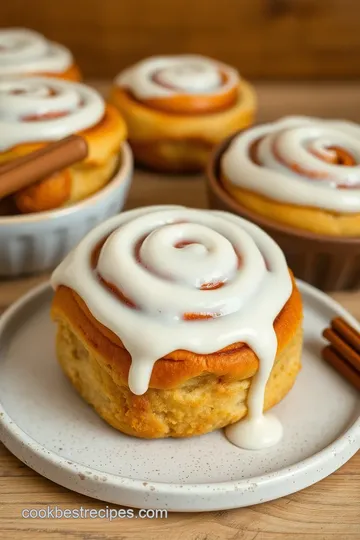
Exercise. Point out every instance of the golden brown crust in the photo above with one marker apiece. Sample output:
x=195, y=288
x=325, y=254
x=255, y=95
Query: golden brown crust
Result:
x=169, y=133
x=312, y=219
x=81, y=179
x=50, y=193
x=195, y=103
x=235, y=362
x=72, y=73
x=167, y=156
x=200, y=404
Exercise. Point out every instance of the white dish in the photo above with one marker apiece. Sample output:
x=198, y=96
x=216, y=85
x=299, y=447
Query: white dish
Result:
x=33, y=243
x=46, y=425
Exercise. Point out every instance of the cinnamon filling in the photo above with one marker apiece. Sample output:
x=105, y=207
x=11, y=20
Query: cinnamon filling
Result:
x=156, y=78
x=198, y=316
x=340, y=156
x=94, y=258
x=253, y=151
x=110, y=286
x=46, y=116
x=116, y=291
x=192, y=104
x=336, y=155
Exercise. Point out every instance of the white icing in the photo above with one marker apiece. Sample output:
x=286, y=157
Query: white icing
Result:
x=255, y=433
x=166, y=284
x=25, y=51
x=167, y=76
x=29, y=96
x=297, y=139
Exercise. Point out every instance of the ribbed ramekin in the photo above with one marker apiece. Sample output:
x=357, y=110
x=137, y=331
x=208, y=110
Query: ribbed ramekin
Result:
x=34, y=243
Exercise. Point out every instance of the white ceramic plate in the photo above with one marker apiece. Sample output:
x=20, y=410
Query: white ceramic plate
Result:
x=47, y=426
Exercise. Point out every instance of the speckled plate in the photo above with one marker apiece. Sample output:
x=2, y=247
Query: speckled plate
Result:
x=47, y=426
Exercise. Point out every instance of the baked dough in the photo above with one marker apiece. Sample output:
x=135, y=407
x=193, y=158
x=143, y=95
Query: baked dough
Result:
x=176, y=132
x=99, y=123
x=124, y=284
x=298, y=171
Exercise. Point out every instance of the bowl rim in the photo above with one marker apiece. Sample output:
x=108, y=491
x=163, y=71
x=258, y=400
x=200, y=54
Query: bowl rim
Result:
x=118, y=179
x=212, y=178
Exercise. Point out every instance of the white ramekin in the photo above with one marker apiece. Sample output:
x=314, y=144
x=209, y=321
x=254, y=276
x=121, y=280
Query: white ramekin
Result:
x=34, y=243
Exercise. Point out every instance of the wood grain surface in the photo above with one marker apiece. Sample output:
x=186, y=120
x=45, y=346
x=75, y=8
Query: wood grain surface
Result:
x=264, y=38
x=328, y=510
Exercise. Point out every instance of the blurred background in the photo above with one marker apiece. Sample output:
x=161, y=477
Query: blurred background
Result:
x=276, y=39
x=271, y=42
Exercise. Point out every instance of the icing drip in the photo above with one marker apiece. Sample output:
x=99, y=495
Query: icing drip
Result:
x=41, y=109
x=26, y=51
x=166, y=76
x=170, y=262
x=299, y=160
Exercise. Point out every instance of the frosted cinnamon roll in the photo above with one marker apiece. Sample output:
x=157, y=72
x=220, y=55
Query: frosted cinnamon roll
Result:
x=26, y=52
x=36, y=110
x=178, y=107
x=218, y=313
x=303, y=172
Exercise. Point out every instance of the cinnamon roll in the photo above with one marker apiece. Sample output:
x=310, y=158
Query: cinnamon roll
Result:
x=26, y=52
x=178, y=107
x=38, y=109
x=302, y=172
x=175, y=322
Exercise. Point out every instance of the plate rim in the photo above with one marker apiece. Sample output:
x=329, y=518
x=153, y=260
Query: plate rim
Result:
x=12, y=434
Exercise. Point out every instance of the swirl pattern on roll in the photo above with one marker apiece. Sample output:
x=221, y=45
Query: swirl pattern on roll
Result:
x=26, y=51
x=160, y=271
x=299, y=160
x=44, y=109
x=169, y=76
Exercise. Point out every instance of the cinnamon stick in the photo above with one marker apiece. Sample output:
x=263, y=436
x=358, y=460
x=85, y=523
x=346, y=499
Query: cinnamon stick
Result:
x=31, y=168
x=331, y=356
x=349, y=333
x=343, y=353
x=349, y=354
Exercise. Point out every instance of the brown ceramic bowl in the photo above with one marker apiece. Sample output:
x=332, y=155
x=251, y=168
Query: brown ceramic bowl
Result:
x=327, y=262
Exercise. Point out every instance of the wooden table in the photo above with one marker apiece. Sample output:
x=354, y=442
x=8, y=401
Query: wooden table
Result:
x=327, y=510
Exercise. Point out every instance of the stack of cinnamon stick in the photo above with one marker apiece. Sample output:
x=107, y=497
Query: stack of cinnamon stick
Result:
x=343, y=353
